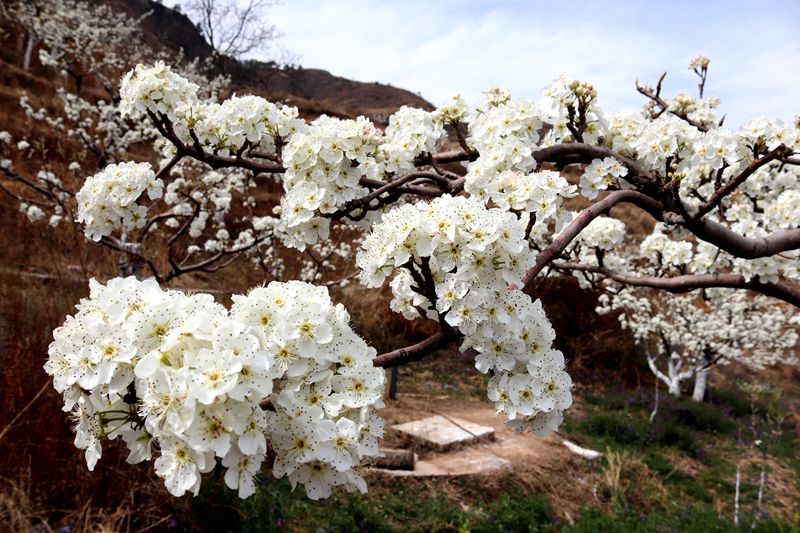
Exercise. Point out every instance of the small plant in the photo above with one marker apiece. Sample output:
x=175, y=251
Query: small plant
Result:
x=766, y=426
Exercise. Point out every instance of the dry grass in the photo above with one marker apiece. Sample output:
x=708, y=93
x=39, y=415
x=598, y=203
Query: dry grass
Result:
x=630, y=483
x=19, y=512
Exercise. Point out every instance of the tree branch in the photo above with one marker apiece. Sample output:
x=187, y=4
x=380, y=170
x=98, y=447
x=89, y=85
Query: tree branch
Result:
x=569, y=233
x=655, y=97
x=736, y=244
x=415, y=352
x=691, y=282
x=587, y=152
x=215, y=161
x=778, y=153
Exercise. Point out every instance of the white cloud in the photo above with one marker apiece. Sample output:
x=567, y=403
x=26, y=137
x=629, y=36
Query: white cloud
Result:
x=446, y=47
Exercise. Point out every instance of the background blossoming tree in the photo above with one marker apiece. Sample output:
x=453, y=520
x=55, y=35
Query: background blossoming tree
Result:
x=462, y=210
x=685, y=336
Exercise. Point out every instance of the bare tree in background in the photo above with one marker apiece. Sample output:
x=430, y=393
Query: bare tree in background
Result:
x=233, y=27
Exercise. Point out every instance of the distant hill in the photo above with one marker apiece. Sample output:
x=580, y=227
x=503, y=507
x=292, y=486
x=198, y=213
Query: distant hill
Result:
x=313, y=91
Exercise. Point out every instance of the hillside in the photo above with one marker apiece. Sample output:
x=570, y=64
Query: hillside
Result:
x=312, y=90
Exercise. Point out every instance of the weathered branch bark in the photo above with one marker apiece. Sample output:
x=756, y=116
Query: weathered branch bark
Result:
x=714, y=200
x=569, y=234
x=691, y=282
x=415, y=352
x=587, y=152
x=739, y=245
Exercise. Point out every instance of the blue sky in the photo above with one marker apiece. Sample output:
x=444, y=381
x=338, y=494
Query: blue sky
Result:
x=439, y=48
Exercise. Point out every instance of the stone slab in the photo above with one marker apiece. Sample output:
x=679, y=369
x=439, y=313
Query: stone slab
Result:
x=442, y=434
x=470, y=461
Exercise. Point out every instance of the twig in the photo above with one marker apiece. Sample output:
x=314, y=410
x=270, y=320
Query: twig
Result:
x=22, y=411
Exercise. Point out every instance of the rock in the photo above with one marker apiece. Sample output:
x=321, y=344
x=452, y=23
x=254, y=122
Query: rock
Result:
x=442, y=434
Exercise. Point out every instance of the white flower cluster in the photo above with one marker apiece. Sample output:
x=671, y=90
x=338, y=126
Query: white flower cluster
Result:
x=454, y=110
x=237, y=123
x=691, y=153
x=322, y=426
x=505, y=131
x=601, y=174
x=699, y=110
x=699, y=62
x=659, y=249
x=785, y=211
x=108, y=199
x=155, y=89
x=411, y=132
x=605, y=233
x=182, y=375
x=770, y=132
x=666, y=138
x=708, y=258
x=540, y=193
x=716, y=148
x=324, y=165
x=457, y=261
x=566, y=97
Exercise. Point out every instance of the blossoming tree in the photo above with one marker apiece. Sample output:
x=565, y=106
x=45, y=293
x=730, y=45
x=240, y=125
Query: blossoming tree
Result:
x=85, y=46
x=685, y=336
x=461, y=210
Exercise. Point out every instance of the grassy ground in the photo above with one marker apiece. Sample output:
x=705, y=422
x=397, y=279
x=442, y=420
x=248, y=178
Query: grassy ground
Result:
x=674, y=474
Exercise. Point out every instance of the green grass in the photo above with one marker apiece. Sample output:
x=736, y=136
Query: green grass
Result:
x=673, y=476
x=688, y=519
x=276, y=509
x=393, y=505
x=659, y=496
x=621, y=420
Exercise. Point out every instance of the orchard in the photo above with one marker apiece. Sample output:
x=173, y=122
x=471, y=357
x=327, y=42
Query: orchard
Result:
x=460, y=211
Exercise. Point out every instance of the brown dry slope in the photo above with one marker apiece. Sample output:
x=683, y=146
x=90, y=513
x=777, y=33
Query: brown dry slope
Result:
x=540, y=464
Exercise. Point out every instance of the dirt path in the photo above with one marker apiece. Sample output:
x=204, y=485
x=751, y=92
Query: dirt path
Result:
x=508, y=449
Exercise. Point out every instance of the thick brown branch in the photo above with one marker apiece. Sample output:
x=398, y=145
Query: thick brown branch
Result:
x=736, y=244
x=412, y=353
x=585, y=153
x=691, y=282
x=569, y=233
x=451, y=156
x=721, y=192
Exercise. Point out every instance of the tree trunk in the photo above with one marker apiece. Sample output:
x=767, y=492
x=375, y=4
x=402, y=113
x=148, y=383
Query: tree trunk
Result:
x=736, y=495
x=674, y=383
x=29, y=46
x=674, y=387
x=700, y=382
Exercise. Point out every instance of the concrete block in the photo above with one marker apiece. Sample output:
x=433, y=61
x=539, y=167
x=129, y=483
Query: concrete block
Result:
x=442, y=434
